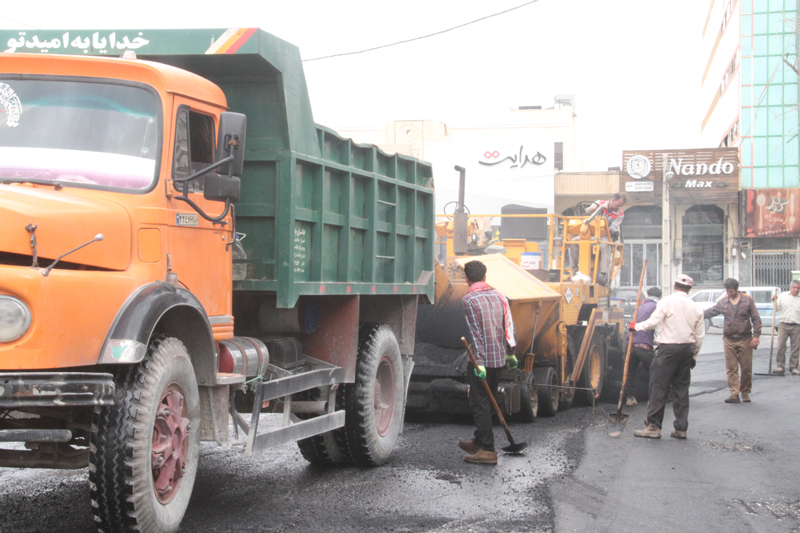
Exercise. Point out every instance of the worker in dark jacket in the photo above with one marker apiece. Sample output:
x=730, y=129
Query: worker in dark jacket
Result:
x=642, y=349
x=738, y=337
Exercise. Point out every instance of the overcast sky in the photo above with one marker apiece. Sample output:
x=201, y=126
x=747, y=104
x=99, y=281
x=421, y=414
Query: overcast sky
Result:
x=633, y=65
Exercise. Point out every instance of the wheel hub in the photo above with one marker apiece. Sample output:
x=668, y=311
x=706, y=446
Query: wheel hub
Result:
x=384, y=396
x=170, y=443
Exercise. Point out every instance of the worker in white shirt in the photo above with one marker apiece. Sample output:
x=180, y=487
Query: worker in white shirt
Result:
x=788, y=304
x=679, y=324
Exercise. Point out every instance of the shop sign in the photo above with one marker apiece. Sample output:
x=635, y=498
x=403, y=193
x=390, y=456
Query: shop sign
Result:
x=639, y=186
x=706, y=175
x=771, y=212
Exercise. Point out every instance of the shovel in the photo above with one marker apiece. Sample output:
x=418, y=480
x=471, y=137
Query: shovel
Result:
x=619, y=420
x=514, y=447
x=772, y=338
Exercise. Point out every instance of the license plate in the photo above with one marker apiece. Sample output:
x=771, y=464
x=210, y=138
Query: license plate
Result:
x=186, y=219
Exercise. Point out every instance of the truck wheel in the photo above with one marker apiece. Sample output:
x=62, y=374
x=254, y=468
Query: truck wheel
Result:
x=593, y=372
x=320, y=449
x=528, y=398
x=548, y=396
x=374, y=403
x=144, y=449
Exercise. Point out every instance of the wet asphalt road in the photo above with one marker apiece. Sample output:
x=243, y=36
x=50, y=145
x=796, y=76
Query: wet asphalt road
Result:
x=738, y=471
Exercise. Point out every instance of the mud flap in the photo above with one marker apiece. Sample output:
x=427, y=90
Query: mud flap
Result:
x=408, y=366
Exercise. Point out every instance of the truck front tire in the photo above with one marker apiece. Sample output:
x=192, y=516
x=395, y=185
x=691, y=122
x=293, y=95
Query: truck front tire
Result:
x=144, y=450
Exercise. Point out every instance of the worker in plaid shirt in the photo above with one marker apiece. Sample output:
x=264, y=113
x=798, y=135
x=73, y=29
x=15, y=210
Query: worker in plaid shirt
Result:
x=492, y=329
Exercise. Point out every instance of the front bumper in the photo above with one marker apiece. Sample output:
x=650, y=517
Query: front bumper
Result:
x=55, y=389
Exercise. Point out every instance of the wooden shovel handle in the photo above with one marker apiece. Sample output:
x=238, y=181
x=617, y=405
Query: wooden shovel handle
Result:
x=630, y=341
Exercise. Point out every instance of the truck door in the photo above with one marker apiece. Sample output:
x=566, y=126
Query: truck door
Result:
x=197, y=248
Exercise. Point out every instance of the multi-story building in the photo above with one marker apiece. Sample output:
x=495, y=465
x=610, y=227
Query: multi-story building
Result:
x=750, y=97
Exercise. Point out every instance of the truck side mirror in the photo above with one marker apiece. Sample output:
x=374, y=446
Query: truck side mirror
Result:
x=232, y=132
x=225, y=183
x=220, y=188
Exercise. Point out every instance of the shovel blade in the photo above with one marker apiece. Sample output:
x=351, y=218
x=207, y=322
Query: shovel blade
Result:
x=618, y=423
x=515, y=447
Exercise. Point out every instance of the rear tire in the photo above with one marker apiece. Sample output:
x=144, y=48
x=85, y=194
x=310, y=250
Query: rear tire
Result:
x=549, y=397
x=320, y=449
x=374, y=403
x=707, y=324
x=144, y=449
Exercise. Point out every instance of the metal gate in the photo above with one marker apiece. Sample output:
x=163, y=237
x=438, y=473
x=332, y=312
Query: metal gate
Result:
x=773, y=269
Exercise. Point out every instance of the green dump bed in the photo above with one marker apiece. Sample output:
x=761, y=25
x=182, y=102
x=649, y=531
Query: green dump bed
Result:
x=321, y=214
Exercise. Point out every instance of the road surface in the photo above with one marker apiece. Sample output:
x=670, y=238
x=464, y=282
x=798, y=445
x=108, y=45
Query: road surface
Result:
x=738, y=471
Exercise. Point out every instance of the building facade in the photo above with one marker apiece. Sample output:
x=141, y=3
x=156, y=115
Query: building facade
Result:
x=750, y=98
x=510, y=158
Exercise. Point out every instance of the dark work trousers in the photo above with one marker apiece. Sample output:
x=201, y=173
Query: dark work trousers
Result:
x=671, y=366
x=637, y=385
x=481, y=406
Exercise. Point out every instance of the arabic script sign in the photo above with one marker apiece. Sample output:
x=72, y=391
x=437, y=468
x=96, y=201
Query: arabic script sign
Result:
x=771, y=212
x=70, y=42
x=497, y=157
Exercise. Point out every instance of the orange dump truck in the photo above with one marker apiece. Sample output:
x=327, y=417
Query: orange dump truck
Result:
x=182, y=244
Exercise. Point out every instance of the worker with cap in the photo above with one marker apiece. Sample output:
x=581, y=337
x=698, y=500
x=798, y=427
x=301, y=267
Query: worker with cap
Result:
x=788, y=305
x=679, y=324
x=492, y=329
x=738, y=338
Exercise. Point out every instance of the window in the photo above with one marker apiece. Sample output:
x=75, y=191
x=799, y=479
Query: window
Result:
x=80, y=133
x=558, y=156
x=194, y=145
x=703, y=245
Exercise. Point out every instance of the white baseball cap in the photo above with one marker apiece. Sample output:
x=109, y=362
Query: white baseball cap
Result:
x=683, y=279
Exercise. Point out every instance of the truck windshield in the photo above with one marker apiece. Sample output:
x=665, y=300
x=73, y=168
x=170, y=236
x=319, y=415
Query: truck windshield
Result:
x=78, y=132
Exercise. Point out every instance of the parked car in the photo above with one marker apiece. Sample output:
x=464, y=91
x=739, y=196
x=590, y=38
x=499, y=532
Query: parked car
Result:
x=706, y=298
x=626, y=299
x=763, y=298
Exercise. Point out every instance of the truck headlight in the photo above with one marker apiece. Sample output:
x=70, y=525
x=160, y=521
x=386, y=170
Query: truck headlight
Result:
x=15, y=318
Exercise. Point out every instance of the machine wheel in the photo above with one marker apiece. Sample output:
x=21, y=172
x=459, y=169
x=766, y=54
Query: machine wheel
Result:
x=320, y=449
x=144, y=449
x=594, y=371
x=707, y=324
x=374, y=403
x=549, y=397
x=528, y=398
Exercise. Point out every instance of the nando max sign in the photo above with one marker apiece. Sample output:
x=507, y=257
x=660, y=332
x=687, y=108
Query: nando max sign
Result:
x=695, y=176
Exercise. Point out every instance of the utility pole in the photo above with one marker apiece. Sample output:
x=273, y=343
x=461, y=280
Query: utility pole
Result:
x=666, y=245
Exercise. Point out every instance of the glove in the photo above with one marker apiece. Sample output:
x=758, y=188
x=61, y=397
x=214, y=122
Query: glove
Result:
x=693, y=363
x=480, y=372
x=632, y=325
x=511, y=362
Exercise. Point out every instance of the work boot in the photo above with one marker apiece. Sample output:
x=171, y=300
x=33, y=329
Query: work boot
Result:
x=733, y=399
x=745, y=397
x=482, y=457
x=678, y=434
x=631, y=401
x=470, y=446
x=650, y=432
x=778, y=371
x=795, y=372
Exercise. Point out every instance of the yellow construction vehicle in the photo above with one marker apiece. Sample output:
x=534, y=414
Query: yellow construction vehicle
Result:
x=569, y=339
